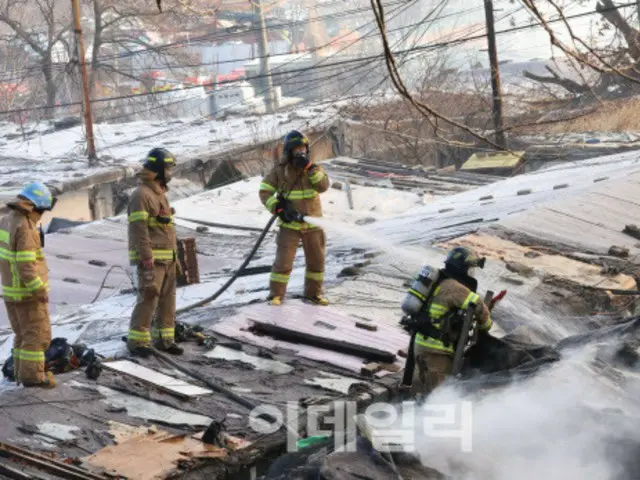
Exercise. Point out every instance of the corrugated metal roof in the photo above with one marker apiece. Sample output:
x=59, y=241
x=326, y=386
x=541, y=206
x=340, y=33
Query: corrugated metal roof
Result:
x=592, y=220
x=486, y=160
x=75, y=281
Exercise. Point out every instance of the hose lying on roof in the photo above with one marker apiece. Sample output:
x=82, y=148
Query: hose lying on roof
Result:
x=233, y=278
x=240, y=269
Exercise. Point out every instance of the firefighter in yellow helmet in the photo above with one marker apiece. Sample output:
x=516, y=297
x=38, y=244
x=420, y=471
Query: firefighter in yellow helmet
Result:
x=292, y=190
x=25, y=286
x=153, y=251
x=441, y=318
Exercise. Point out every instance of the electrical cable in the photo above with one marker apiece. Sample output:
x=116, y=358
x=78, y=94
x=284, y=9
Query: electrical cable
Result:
x=104, y=280
x=242, y=267
x=430, y=47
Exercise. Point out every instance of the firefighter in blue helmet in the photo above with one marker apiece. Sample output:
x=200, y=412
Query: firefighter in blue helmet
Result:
x=25, y=285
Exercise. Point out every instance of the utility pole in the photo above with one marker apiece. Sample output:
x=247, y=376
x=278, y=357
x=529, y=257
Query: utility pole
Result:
x=86, y=102
x=495, y=75
x=265, y=71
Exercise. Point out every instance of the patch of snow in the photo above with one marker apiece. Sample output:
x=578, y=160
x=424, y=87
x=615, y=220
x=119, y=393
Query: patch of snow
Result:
x=146, y=409
x=273, y=366
x=238, y=204
x=333, y=382
x=57, y=156
x=58, y=430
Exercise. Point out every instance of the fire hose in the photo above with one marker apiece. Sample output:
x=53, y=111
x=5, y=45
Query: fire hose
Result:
x=244, y=264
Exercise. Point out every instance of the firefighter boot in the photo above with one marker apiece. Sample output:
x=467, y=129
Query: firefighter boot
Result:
x=318, y=300
x=141, y=351
x=275, y=301
x=48, y=382
x=174, y=349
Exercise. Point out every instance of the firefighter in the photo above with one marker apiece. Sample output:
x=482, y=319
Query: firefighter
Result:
x=25, y=286
x=291, y=190
x=452, y=293
x=153, y=253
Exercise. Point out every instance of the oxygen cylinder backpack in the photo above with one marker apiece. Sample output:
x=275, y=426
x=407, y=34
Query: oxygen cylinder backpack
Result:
x=420, y=291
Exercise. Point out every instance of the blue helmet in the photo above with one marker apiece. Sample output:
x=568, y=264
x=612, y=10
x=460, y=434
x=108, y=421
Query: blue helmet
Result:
x=38, y=194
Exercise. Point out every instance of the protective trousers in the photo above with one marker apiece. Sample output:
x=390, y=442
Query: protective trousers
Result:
x=32, y=328
x=313, y=243
x=156, y=304
x=432, y=369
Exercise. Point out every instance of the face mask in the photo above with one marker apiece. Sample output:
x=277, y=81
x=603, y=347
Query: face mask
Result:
x=472, y=272
x=168, y=172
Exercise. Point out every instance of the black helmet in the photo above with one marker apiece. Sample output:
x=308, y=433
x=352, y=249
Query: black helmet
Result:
x=461, y=259
x=291, y=140
x=156, y=161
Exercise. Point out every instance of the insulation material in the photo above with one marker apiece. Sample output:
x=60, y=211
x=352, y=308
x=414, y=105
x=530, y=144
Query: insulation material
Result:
x=163, y=382
x=557, y=266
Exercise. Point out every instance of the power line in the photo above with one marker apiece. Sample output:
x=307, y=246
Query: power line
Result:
x=394, y=14
x=369, y=58
x=214, y=36
x=423, y=48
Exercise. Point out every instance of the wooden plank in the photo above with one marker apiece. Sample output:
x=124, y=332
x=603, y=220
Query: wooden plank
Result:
x=322, y=342
x=370, y=369
x=367, y=326
x=161, y=381
x=309, y=318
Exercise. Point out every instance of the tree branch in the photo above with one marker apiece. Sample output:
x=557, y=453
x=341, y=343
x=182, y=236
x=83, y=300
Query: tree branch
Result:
x=566, y=83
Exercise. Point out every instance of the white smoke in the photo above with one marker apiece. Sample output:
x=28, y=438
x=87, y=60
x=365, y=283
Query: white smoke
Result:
x=540, y=428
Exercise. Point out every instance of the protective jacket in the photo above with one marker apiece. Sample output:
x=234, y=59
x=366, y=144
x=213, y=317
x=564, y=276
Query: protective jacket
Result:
x=152, y=232
x=22, y=264
x=449, y=296
x=304, y=186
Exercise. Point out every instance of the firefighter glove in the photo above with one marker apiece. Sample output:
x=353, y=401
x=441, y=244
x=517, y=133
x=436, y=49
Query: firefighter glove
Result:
x=147, y=264
x=291, y=215
x=301, y=160
x=286, y=211
x=42, y=297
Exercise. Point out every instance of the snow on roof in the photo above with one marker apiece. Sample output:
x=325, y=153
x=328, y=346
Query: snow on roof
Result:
x=399, y=218
x=448, y=216
x=55, y=156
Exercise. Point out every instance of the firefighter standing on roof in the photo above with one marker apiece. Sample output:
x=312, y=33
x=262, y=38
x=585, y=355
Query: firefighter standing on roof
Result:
x=291, y=190
x=25, y=286
x=440, y=319
x=153, y=251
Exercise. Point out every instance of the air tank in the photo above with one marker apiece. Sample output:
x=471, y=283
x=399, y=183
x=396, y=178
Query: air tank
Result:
x=420, y=288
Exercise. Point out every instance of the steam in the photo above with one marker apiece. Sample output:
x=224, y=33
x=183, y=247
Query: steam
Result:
x=556, y=425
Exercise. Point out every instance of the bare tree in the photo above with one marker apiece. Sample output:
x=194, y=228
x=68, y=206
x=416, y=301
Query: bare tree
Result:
x=617, y=64
x=43, y=26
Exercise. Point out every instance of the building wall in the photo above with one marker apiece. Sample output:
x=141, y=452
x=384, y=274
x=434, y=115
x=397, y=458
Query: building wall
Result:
x=72, y=205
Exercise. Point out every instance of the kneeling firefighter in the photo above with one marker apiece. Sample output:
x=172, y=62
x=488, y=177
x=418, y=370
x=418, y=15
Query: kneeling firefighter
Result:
x=436, y=306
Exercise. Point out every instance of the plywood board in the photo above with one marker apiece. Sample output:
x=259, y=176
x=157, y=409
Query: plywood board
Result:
x=323, y=320
x=162, y=381
x=153, y=456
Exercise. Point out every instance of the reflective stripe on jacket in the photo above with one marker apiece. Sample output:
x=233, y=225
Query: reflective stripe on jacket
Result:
x=450, y=296
x=22, y=264
x=302, y=188
x=149, y=238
